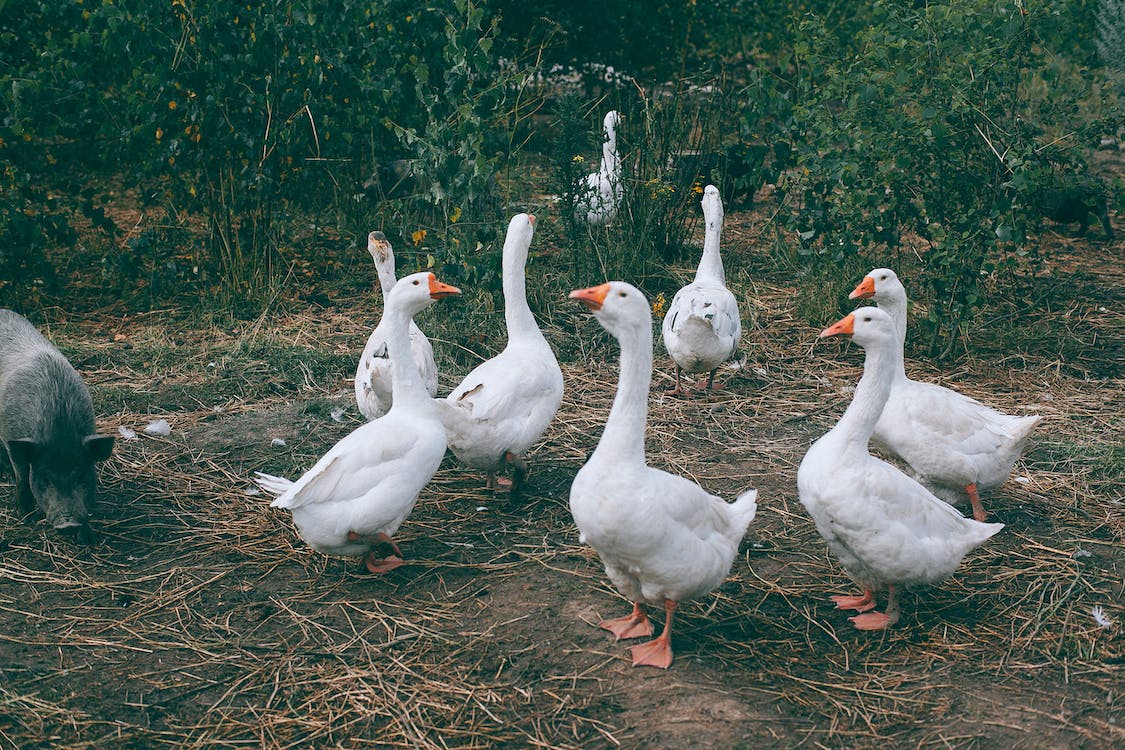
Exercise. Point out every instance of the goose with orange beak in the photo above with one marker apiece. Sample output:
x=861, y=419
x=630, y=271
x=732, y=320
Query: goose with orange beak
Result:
x=353, y=500
x=956, y=445
x=662, y=538
x=885, y=528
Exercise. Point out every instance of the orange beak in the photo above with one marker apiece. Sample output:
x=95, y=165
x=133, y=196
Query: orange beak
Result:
x=865, y=290
x=843, y=327
x=438, y=290
x=593, y=297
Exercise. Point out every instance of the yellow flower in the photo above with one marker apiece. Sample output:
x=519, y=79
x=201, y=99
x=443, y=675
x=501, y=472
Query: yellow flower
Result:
x=419, y=236
x=578, y=159
x=455, y=215
x=159, y=133
x=696, y=189
x=658, y=305
x=172, y=105
x=658, y=189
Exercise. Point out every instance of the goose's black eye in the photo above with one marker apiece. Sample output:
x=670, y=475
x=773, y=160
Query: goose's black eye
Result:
x=867, y=319
x=416, y=282
x=622, y=294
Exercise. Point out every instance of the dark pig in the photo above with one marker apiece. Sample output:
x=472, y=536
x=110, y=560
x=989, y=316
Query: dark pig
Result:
x=1072, y=200
x=47, y=428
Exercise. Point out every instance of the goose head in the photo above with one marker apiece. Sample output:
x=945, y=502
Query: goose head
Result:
x=384, y=258
x=868, y=326
x=621, y=308
x=610, y=122
x=418, y=291
x=881, y=285
x=521, y=227
x=712, y=207
x=517, y=241
x=380, y=250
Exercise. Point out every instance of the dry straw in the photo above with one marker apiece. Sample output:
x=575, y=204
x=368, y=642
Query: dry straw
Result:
x=201, y=621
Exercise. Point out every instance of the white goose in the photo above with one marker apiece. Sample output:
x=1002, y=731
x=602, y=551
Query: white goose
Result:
x=600, y=193
x=702, y=327
x=663, y=538
x=374, y=373
x=956, y=444
x=884, y=527
x=505, y=404
x=358, y=494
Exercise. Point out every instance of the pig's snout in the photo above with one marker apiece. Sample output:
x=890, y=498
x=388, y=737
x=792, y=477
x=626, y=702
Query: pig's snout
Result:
x=67, y=517
x=80, y=531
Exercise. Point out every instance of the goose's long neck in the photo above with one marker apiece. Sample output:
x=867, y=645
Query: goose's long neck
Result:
x=611, y=162
x=711, y=263
x=896, y=308
x=871, y=393
x=406, y=382
x=386, y=271
x=517, y=313
x=624, y=435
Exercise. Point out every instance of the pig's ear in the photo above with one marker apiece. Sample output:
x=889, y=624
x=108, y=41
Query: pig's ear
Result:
x=98, y=446
x=22, y=451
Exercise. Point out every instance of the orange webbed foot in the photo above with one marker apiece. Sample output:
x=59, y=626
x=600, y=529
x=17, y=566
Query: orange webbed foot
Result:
x=634, y=625
x=655, y=653
x=371, y=561
x=862, y=603
x=378, y=566
x=872, y=621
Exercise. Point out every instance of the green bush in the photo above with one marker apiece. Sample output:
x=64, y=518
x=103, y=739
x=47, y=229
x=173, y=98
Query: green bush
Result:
x=251, y=115
x=914, y=136
x=255, y=131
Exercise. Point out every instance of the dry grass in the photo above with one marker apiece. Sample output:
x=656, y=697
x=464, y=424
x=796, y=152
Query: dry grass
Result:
x=201, y=621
